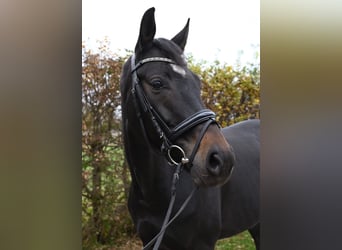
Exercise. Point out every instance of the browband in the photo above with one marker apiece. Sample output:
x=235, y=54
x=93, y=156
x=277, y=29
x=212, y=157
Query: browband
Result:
x=147, y=60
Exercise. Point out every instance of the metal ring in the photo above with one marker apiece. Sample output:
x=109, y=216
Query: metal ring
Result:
x=183, y=159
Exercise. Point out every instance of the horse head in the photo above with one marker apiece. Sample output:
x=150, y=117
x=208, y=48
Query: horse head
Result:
x=161, y=105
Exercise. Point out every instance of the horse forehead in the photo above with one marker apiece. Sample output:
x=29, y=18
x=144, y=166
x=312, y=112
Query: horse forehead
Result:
x=178, y=69
x=166, y=67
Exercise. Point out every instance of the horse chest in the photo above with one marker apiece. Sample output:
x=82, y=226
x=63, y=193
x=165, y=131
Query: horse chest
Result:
x=199, y=224
x=191, y=232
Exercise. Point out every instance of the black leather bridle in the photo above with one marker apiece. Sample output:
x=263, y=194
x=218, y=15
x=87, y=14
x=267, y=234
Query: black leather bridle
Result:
x=174, y=154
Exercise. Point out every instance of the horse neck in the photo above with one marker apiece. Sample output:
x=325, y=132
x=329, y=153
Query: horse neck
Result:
x=149, y=169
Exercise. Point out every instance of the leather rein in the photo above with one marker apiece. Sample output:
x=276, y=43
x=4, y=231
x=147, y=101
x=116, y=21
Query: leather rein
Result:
x=174, y=154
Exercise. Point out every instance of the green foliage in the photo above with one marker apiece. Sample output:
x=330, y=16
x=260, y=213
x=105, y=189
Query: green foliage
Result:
x=242, y=241
x=233, y=93
x=105, y=179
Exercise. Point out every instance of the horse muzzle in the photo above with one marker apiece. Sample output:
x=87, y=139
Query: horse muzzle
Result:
x=215, y=160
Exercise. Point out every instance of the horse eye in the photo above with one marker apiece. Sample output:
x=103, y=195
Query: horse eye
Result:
x=156, y=84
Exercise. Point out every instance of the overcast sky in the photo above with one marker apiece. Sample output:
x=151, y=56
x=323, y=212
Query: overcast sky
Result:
x=219, y=29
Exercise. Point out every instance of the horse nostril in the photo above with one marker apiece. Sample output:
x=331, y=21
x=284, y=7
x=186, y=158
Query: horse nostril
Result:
x=215, y=164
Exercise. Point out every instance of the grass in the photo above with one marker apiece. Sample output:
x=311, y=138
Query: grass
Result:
x=242, y=241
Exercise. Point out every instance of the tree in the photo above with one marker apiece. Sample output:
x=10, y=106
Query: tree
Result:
x=105, y=178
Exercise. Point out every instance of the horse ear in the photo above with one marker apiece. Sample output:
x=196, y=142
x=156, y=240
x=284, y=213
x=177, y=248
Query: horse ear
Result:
x=181, y=38
x=147, y=30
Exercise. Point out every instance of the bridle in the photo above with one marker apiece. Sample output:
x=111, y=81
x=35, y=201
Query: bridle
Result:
x=174, y=154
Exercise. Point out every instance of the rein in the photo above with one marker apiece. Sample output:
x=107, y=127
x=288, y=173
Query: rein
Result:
x=174, y=154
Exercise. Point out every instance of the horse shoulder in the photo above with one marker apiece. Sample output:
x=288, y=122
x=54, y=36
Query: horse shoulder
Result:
x=240, y=196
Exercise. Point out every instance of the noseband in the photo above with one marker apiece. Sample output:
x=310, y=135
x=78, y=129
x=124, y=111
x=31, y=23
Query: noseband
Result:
x=174, y=154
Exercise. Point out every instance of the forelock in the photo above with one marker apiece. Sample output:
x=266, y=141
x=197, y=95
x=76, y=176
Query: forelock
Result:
x=171, y=50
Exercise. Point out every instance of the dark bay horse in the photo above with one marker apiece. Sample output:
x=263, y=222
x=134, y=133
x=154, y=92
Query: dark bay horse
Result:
x=167, y=127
